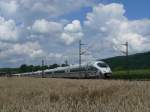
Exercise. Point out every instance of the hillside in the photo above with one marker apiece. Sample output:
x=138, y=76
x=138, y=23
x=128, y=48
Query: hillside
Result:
x=136, y=61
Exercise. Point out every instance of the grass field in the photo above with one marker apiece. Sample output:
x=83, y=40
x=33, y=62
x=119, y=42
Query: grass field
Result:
x=133, y=74
x=66, y=95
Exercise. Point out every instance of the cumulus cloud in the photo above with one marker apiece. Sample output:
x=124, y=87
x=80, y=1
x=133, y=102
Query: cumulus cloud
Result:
x=68, y=33
x=8, y=30
x=9, y=7
x=57, y=7
x=54, y=55
x=35, y=18
x=106, y=27
x=45, y=27
x=72, y=32
x=29, y=49
x=110, y=24
x=30, y=10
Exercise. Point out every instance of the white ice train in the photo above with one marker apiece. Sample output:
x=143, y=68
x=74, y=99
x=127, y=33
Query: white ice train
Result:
x=96, y=69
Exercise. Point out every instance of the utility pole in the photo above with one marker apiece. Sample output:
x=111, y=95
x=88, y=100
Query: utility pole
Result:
x=80, y=54
x=127, y=55
x=42, y=68
x=80, y=44
x=66, y=62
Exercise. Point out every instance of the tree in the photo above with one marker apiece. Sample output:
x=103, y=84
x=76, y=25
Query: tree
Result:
x=63, y=65
x=53, y=66
x=23, y=68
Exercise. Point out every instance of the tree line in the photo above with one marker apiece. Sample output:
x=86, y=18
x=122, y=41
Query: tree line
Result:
x=29, y=68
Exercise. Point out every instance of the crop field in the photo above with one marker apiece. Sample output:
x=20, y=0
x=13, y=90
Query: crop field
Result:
x=71, y=95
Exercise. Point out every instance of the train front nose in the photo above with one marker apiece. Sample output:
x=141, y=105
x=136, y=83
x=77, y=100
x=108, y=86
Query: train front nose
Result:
x=105, y=73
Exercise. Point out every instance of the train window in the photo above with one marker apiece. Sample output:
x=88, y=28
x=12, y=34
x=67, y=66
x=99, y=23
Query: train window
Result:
x=92, y=68
x=60, y=71
x=82, y=69
x=48, y=72
x=74, y=70
x=77, y=69
x=102, y=65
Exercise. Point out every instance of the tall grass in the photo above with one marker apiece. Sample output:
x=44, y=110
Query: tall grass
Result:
x=66, y=95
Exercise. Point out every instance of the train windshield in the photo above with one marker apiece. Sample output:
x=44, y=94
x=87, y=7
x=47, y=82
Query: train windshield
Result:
x=103, y=65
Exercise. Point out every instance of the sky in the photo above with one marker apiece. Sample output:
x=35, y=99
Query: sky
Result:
x=33, y=30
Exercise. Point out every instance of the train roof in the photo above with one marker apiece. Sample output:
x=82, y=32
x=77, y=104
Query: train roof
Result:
x=76, y=65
